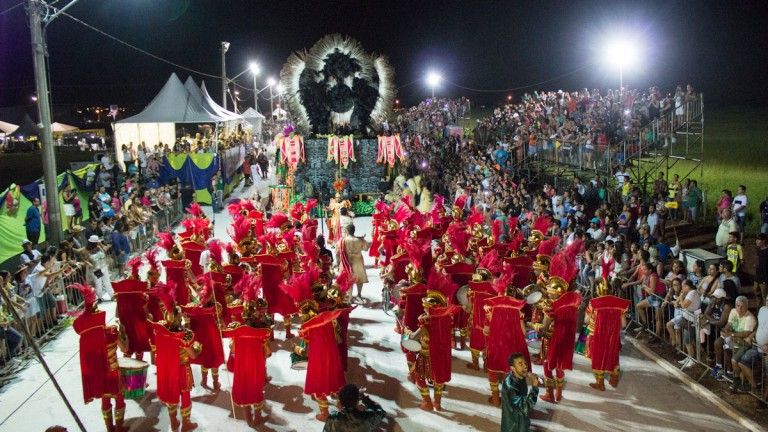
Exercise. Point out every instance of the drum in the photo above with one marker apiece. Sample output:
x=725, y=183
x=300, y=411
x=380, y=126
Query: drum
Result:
x=534, y=297
x=412, y=342
x=133, y=374
x=534, y=346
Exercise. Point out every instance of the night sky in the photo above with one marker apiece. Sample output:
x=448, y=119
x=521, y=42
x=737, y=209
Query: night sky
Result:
x=719, y=47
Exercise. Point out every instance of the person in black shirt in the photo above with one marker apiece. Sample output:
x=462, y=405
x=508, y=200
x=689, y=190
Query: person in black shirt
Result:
x=761, y=271
x=353, y=417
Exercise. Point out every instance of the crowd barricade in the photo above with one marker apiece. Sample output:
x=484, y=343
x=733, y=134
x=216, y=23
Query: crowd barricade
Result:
x=690, y=335
x=60, y=301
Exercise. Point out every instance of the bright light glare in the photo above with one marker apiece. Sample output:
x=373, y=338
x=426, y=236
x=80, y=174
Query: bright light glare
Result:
x=621, y=53
x=433, y=79
x=280, y=87
x=255, y=69
x=271, y=81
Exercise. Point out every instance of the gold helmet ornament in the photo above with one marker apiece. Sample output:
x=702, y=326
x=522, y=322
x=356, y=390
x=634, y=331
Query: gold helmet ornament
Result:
x=602, y=288
x=482, y=275
x=434, y=298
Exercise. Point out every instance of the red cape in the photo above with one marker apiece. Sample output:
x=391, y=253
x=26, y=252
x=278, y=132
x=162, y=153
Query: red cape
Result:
x=413, y=308
x=605, y=340
x=250, y=367
x=132, y=298
x=505, y=335
x=325, y=372
x=203, y=323
x=272, y=276
x=101, y=377
x=172, y=376
x=175, y=270
x=561, y=344
x=440, y=337
x=192, y=252
x=478, y=293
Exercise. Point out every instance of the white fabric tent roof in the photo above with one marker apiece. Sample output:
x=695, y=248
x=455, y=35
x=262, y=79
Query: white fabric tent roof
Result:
x=251, y=113
x=61, y=127
x=174, y=103
x=7, y=127
x=218, y=108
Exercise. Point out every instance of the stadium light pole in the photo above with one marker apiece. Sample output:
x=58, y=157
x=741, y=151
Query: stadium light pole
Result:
x=224, y=49
x=271, y=83
x=433, y=80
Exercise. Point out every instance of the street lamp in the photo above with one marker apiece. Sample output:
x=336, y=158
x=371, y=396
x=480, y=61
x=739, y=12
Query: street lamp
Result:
x=621, y=53
x=224, y=49
x=255, y=71
x=433, y=80
x=271, y=83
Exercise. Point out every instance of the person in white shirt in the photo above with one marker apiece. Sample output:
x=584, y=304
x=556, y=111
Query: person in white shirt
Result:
x=620, y=174
x=594, y=229
x=30, y=254
x=687, y=308
x=612, y=234
x=740, y=210
x=754, y=356
x=727, y=226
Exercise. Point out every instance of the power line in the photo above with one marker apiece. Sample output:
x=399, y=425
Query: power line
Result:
x=11, y=8
x=122, y=42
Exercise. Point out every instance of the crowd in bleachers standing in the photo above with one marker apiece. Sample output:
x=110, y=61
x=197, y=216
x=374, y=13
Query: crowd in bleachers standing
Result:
x=623, y=225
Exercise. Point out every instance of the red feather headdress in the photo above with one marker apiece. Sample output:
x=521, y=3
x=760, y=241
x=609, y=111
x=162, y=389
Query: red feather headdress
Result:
x=541, y=224
x=442, y=283
x=407, y=200
x=501, y=283
x=311, y=204
x=135, y=265
x=311, y=253
x=547, y=247
x=476, y=218
x=402, y=214
x=151, y=256
x=89, y=294
x=416, y=251
x=206, y=288
x=460, y=201
x=166, y=292
x=299, y=286
x=573, y=249
x=196, y=210
x=165, y=240
x=496, y=230
x=297, y=211
x=252, y=288
x=459, y=238
x=277, y=220
x=217, y=252
x=290, y=239
x=563, y=266
x=240, y=229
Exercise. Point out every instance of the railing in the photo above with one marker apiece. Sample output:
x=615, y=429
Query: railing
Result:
x=47, y=316
x=691, y=336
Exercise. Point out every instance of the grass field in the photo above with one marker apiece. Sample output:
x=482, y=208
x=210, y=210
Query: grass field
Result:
x=735, y=152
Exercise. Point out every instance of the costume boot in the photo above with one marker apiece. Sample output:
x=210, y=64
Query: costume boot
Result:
x=119, y=419
x=549, y=396
x=599, y=383
x=463, y=341
x=614, y=379
x=494, y=400
x=426, y=401
x=107, y=414
x=323, y=405
x=475, y=364
x=257, y=417
x=204, y=377
x=438, y=396
x=248, y=412
x=187, y=424
x=559, y=389
x=172, y=409
x=216, y=383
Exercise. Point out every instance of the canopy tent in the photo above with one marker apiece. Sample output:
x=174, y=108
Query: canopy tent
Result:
x=279, y=114
x=174, y=103
x=62, y=128
x=254, y=119
x=7, y=128
x=28, y=128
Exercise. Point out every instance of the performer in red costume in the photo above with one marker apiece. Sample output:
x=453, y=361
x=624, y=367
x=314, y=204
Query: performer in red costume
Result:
x=410, y=307
x=379, y=221
x=132, y=296
x=433, y=362
x=504, y=329
x=606, y=316
x=325, y=371
x=250, y=336
x=291, y=148
x=177, y=268
x=98, y=360
x=560, y=324
x=175, y=347
x=460, y=269
x=205, y=322
x=480, y=289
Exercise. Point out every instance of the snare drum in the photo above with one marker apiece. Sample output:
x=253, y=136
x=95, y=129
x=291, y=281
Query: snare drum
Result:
x=133, y=374
x=534, y=346
x=412, y=342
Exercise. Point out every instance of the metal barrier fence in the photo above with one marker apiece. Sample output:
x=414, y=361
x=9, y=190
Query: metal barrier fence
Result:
x=699, y=341
x=47, y=315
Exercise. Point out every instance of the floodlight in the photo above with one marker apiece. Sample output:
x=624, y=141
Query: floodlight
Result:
x=621, y=53
x=254, y=67
x=271, y=81
x=433, y=79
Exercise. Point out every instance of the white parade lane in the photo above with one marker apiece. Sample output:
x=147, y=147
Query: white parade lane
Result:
x=648, y=399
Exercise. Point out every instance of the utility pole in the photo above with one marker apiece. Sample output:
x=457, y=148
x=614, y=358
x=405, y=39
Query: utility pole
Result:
x=224, y=48
x=39, y=51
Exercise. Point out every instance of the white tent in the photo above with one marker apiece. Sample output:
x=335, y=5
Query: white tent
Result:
x=7, y=128
x=279, y=114
x=61, y=127
x=254, y=119
x=174, y=103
